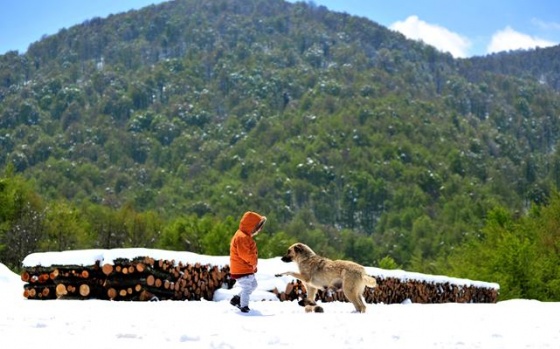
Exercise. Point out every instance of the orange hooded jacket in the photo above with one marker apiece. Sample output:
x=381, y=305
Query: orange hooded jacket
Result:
x=243, y=253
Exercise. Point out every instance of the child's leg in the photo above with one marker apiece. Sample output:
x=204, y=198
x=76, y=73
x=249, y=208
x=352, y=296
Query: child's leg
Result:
x=248, y=284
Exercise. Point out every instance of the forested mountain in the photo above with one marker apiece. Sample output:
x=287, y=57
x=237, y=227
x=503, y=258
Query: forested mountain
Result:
x=160, y=127
x=541, y=65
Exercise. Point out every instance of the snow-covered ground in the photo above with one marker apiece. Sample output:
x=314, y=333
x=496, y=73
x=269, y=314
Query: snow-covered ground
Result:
x=271, y=324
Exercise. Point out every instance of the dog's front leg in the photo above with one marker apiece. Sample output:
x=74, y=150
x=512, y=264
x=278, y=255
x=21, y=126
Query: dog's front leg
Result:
x=295, y=275
x=309, y=302
x=311, y=294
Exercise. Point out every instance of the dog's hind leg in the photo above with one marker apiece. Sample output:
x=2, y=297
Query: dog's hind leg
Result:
x=354, y=294
x=358, y=302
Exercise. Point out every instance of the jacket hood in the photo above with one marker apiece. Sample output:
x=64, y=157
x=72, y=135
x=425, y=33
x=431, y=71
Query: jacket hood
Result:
x=249, y=221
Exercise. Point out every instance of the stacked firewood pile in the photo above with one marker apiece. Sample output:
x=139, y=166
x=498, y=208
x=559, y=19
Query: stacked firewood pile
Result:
x=146, y=278
x=60, y=281
x=138, y=279
x=39, y=283
x=393, y=290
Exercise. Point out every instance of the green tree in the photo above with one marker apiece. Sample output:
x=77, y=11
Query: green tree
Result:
x=22, y=219
x=218, y=233
x=520, y=254
x=182, y=234
x=65, y=228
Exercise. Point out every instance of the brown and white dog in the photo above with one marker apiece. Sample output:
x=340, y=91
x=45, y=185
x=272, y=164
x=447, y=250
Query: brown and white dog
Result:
x=318, y=272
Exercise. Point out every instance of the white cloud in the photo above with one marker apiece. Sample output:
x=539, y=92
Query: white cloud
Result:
x=435, y=35
x=545, y=25
x=508, y=39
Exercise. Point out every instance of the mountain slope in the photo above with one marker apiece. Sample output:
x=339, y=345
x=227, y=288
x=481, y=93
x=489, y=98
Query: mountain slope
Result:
x=324, y=121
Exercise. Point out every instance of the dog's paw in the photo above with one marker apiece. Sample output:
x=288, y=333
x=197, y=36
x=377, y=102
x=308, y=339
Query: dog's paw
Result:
x=314, y=309
x=306, y=302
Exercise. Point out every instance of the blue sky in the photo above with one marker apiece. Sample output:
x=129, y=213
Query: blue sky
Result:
x=463, y=28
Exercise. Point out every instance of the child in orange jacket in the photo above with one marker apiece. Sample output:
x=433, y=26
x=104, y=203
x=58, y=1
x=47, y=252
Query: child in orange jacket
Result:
x=243, y=258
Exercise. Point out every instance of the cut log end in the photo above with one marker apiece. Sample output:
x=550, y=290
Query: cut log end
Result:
x=25, y=276
x=107, y=269
x=61, y=290
x=112, y=293
x=84, y=290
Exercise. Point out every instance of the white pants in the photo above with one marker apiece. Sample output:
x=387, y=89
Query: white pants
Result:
x=248, y=284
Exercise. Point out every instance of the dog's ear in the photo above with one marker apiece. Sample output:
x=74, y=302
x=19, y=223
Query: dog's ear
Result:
x=298, y=248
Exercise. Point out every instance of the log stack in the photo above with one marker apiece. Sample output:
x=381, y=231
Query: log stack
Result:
x=78, y=282
x=147, y=279
x=114, y=277
x=39, y=283
x=394, y=290
x=137, y=279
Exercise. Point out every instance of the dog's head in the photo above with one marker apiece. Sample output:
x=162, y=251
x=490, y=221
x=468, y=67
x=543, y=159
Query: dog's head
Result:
x=296, y=252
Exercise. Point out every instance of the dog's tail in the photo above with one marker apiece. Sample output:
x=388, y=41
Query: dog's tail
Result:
x=370, y=281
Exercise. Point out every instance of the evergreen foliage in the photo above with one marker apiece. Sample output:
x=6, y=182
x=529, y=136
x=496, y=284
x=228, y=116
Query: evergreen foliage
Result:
x=521, y=254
